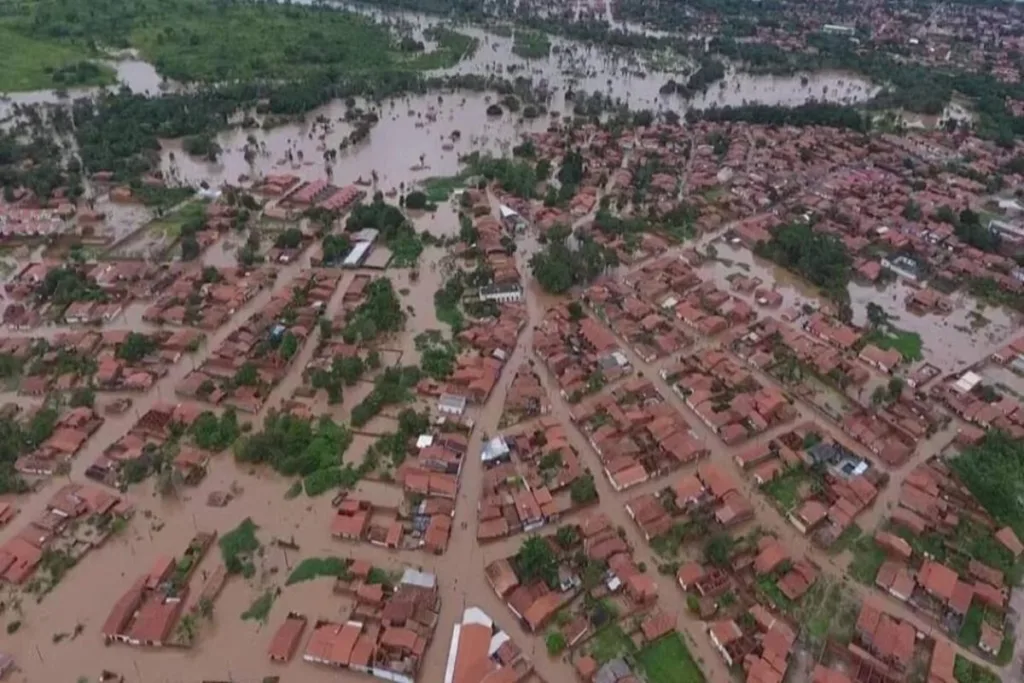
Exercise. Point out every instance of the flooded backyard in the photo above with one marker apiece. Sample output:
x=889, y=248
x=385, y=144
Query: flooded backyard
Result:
x=951, y=342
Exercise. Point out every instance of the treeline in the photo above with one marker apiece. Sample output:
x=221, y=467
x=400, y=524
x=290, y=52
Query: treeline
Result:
x=810, y=114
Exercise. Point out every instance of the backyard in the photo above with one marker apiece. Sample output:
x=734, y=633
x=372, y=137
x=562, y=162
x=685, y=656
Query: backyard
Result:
x=909, y=344
x=668, y=660
x=610, y=642
x=785, y=489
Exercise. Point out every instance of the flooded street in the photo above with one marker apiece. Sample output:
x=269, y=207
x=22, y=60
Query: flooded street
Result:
x=416, y=138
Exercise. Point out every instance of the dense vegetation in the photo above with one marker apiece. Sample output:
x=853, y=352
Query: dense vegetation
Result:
x=380, y=313
x=993, y=471
x=314, y=567
x=819, y=257
x=29, y=63
x=391, y=387
x=235, y=40
x=17, y=438
x=291, y=445
x=216, y=433
x=559, y=267
x=812, y=114
x=395, y=229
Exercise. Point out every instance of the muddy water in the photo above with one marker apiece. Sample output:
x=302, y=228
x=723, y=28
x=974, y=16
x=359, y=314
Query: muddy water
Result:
x=393, y=149
x=951, y=342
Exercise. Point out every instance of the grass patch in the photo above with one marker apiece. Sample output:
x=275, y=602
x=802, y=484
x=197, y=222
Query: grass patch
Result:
x=259, y=610
x=246, y=42
x=828, y=612
x=909, y=344
x=610, y=642
x=970, y=631
x=668, y=660
x=868, y=558
x=966, y=671
x=28, y=63
x=531, y=45
x=170, y=225
x=846, y=540
x=438, y=189
x=1005, y=655
x=785, y=488
x=770, y=588
x=315, y=567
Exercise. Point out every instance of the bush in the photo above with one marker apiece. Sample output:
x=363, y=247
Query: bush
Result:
x=313, y=567
x=555, y=643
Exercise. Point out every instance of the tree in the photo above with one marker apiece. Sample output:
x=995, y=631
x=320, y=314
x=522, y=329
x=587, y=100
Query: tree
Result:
x=187, y=628
x=718, y=550
x=895, y=387
x=206, y=607
x=567, y=536
x=135, y=347
x=82, y=397
x=190, y=249
x=247, y=375
x=821, y=258
x=582, y=490
x=290, y=238
x=536, y=561
x=289, y=345
x=555, y=643
x=416, y=200
x=877, y=317
x=215, y=434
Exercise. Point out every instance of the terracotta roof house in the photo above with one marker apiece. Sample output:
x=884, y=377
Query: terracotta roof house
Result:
x=1010, y=541
x=286, y=638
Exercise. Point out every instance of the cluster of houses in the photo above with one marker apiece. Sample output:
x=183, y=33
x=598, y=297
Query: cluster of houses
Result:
x=673, y=286
x=981, y=404
x=481, y=651
x=750, y=633
x=636, y=434
x=526, y=480
x=76, y=519
x=579, y=352
x=726, y=396
x=535, y=600
x=384, y=632
x=110, y=360
x=291, y=196
x=161, y=424
x=198, y=299
x=253, y=359
x=648, y=331
x=488, y=344
x=945, y=582
x=146, y=614
x=847, y=484
x=429, y=479
x=707, y=494
x=70, y=433
x=526, y=397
